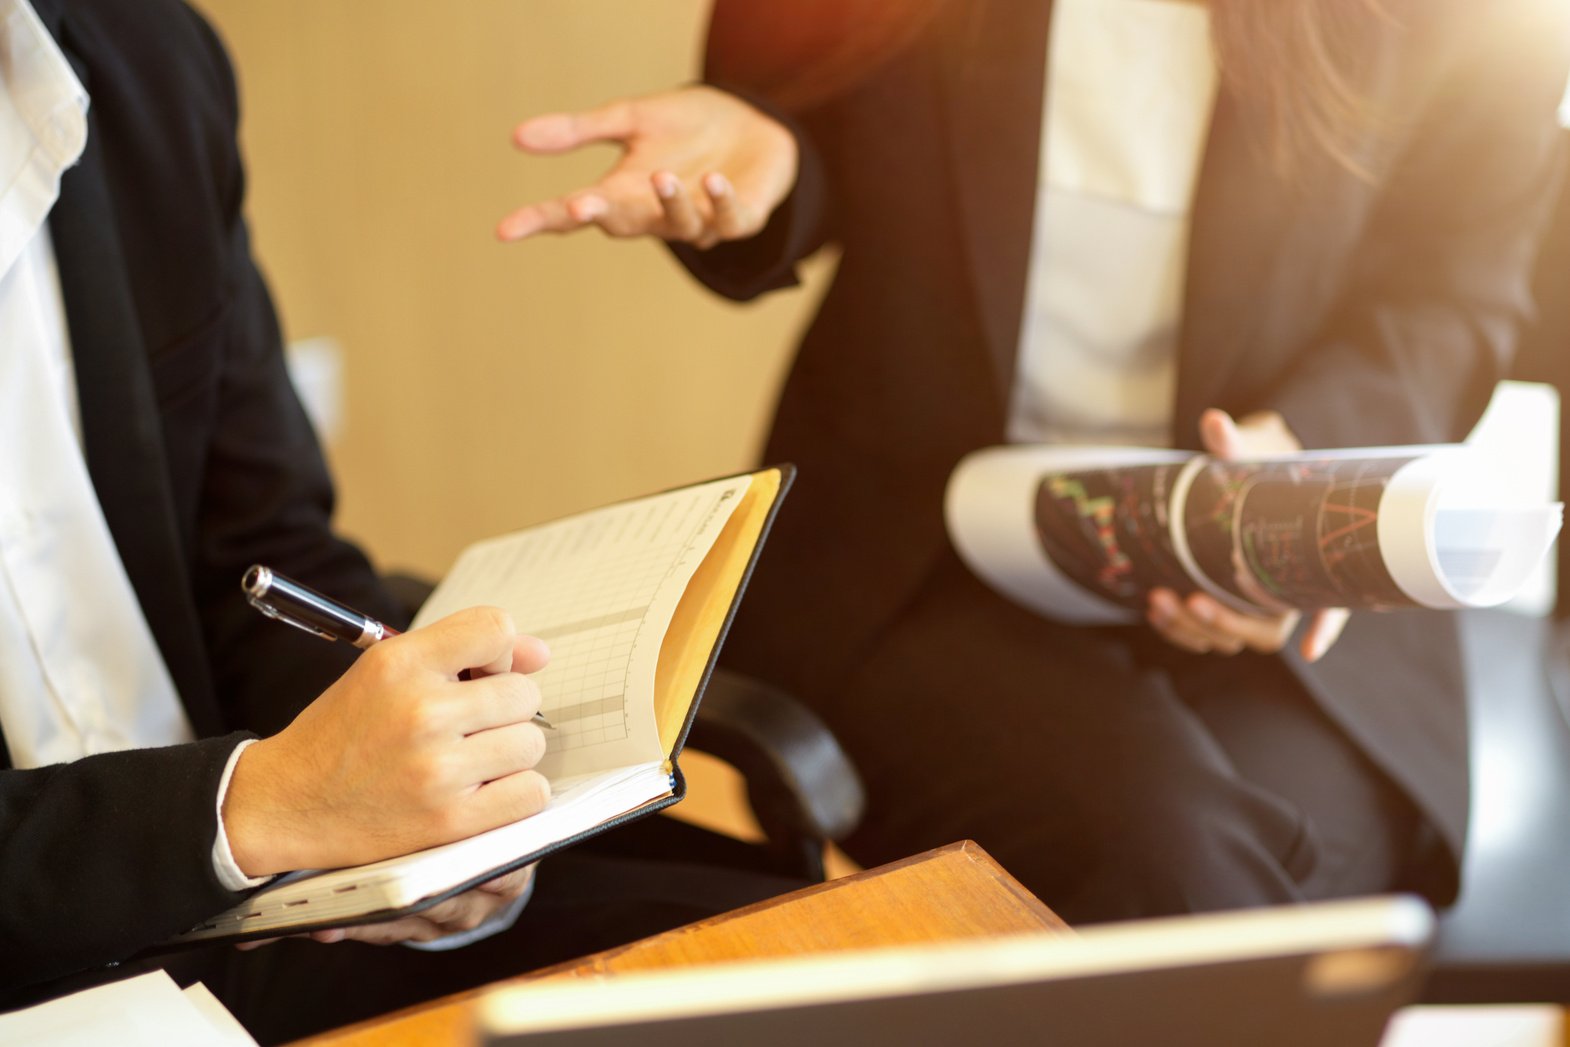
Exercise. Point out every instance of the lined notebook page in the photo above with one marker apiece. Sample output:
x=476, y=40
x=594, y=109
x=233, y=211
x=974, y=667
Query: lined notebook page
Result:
x=600, y=589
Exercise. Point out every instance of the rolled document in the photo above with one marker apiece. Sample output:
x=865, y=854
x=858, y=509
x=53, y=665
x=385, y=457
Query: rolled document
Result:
x=1082, y=534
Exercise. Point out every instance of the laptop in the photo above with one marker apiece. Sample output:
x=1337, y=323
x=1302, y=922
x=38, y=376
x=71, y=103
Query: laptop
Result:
x=1321, y=975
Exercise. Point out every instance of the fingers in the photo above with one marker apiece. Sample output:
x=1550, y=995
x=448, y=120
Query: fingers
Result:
x=490, y=702
x=501, y=751
x=462, y=913
x=510, y=799
x=1267, y=433
x=1178, y=625
x=732, y=219
x=687, y=219
x=255, y=943
x=1324, y=629
x=562, y=215
x=481, y=638
x=618, y=209
x=682, y=216
x=560, y=132
x=530, y=654
x=668, y=182
x=1218, y=434
x=625, y=207
x=406, y=929
x=682, y=220
x=1256, y=435
x=510, y=885
x=728, y=217
x=1203, y=625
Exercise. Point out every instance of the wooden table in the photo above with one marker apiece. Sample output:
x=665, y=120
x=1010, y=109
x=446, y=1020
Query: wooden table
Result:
x=952, y=893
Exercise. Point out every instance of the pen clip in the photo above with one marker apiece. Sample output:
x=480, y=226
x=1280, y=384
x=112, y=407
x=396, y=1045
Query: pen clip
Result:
x=273, y=612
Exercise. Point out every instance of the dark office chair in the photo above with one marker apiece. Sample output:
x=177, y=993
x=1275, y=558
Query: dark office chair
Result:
x=1508, y=937
x=802, y=787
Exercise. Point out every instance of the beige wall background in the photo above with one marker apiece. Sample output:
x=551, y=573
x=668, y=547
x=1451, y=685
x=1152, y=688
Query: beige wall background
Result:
x=488, y=386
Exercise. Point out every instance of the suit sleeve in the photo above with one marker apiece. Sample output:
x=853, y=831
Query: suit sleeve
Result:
x=104, y=857
x=742, y=270
x=268, y=499
x=1442, y=279
x=267, y=496
x=112, y=854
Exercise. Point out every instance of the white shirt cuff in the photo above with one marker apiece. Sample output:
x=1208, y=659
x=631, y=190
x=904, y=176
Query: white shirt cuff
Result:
x=224, y=865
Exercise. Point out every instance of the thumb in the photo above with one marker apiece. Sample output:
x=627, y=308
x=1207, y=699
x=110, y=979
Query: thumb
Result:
x=1219, y=435
x=1324, y=628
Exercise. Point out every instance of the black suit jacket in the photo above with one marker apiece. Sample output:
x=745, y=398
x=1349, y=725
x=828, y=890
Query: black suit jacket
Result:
x=203, y=462
x=1367, y=310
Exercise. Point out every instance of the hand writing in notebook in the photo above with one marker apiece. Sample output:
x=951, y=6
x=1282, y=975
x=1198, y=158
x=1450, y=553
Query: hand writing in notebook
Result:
x=398, y=754
x=634, y=598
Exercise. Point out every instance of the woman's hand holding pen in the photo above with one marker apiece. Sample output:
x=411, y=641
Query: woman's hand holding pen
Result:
x=1203, y=624
x=698, y=166
x=398, y=754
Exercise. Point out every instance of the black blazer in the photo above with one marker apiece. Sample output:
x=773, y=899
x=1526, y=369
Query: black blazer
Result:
x=203, y=462
x=1367, y=311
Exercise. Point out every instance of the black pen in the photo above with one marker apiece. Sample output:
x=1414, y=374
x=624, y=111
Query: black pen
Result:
x=305, y=608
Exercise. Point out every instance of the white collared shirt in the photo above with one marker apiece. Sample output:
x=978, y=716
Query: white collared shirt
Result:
x=80, y=672
x=1131, y=85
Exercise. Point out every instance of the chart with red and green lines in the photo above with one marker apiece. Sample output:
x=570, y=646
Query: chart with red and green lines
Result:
x=1274, y=534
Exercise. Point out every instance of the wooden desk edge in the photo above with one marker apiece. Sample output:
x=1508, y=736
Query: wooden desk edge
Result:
x=422, y=1022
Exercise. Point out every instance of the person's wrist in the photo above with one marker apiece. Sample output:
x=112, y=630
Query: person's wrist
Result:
x=256, y=814
x=229, y=873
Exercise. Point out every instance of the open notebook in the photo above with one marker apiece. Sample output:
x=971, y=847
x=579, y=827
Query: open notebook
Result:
x=634, y=600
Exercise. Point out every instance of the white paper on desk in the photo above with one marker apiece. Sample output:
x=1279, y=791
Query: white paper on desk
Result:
x=224, y=1024
x=146, y=1011
x=1491, y=1025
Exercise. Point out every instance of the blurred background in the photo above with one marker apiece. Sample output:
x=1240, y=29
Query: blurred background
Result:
x=465, y=387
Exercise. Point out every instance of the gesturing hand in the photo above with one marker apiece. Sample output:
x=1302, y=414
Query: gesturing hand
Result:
x=1203, y=624
x=398, y=754
x=698, y=166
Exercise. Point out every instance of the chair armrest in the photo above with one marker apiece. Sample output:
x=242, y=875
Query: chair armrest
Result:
x=799, y=780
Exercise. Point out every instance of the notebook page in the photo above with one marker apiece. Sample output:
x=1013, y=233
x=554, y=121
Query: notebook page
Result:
x=600, y=589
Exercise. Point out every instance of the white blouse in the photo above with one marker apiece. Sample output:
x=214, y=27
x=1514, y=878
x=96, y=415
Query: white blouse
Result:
x=1130, y=89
